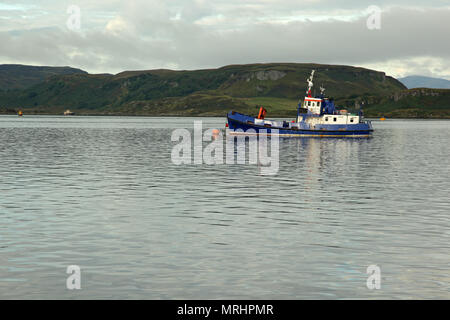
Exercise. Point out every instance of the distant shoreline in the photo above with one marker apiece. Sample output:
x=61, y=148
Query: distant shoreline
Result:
x=198, y=116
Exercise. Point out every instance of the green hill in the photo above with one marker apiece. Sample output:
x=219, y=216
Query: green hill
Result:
x=201, y=92
x=213, y=92
x=412, y=103
x=14, y=76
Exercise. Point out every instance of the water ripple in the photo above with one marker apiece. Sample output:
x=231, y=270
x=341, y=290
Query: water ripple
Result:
x=102, y=193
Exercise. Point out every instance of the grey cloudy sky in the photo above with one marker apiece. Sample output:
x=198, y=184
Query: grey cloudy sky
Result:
x=191, y=34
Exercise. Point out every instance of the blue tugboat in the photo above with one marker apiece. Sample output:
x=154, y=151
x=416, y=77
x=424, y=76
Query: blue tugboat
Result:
x=316, y=117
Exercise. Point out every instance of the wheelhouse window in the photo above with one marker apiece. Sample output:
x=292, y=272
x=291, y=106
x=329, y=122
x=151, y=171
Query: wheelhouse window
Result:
x=303, y=110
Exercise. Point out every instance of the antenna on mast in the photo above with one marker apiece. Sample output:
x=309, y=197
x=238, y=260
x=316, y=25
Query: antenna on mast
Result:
x=322, y=89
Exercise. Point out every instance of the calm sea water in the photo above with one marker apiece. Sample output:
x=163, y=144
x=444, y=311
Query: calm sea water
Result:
x=103, y=194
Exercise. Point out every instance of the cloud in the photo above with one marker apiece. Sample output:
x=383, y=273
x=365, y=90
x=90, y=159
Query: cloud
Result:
x=117, y=26
x=118, y=36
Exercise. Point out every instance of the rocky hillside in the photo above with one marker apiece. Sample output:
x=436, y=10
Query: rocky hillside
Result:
x=200, y=92
x=412, y=103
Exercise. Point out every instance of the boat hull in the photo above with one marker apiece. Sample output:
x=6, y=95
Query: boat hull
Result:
x=239, y=124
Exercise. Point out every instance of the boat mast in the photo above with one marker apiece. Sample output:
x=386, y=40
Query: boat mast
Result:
x=310, y=83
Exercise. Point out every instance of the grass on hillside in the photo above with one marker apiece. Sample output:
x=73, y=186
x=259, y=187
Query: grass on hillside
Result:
x=276, y=107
